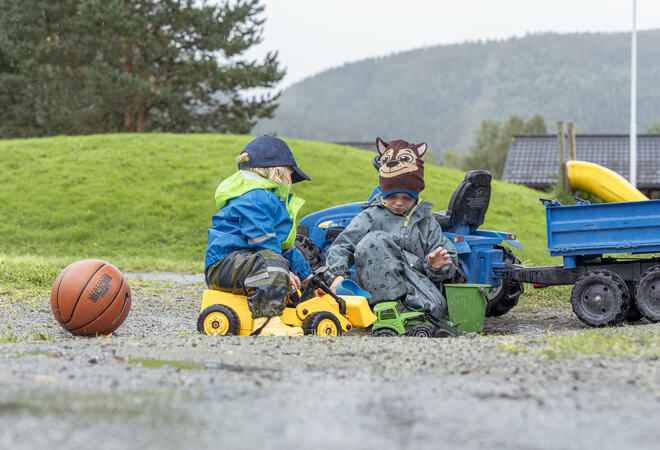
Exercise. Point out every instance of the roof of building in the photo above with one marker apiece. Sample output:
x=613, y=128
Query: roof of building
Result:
x=534, y=160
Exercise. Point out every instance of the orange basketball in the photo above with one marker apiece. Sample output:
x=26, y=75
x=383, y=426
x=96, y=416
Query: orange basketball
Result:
x=90, y=297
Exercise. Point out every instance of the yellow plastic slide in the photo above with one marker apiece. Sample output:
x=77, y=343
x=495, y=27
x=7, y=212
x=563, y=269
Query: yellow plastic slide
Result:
x=603, y=182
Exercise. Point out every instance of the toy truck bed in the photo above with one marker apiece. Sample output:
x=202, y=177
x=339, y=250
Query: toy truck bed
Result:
x=606, y=228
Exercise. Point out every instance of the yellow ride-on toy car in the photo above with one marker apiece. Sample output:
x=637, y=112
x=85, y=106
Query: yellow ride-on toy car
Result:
x=225, y=313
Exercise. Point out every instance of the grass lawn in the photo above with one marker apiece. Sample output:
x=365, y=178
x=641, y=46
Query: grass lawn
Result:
x=621, y=342
x=144, y=202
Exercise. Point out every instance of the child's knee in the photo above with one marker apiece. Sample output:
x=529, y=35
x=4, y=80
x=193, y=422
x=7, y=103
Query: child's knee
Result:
x=269, y=268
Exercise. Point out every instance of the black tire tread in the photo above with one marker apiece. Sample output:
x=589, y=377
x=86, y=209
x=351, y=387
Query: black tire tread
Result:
x=310, y=323
x=641, y=301
x=510, y=292
x=384, y=332
x=615, y=316
x=422, y=330
x=310, y=251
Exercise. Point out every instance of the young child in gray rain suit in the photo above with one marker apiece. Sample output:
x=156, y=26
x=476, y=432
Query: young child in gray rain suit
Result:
x=396, y=244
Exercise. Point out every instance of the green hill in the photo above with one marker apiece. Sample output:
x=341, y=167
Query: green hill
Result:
x=441, y=94
x=144, y=202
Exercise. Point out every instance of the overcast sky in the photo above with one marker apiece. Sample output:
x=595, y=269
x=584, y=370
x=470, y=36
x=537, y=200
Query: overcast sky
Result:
x=314, y=35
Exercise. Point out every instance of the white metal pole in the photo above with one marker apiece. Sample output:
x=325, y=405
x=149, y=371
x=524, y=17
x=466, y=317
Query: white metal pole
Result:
x=633, y=100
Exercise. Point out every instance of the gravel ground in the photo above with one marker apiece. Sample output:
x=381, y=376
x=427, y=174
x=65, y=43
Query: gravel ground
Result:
x=353, y=391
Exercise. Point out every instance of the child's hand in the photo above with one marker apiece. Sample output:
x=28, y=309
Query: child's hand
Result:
x=335, y=282
x=439, y=258
x=294, y=280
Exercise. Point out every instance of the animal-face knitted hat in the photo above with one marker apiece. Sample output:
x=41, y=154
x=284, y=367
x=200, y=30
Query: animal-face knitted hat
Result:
x=401, y=167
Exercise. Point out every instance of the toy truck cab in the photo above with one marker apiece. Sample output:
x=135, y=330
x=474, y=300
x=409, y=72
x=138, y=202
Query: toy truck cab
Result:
x=391, y=322
x=388, y=320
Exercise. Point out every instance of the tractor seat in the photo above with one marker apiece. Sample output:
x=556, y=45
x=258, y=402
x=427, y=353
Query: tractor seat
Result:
x=443, y=218
x=468, y=204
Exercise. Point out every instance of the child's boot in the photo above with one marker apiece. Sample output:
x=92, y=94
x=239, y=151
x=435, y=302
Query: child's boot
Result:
x=275, y=327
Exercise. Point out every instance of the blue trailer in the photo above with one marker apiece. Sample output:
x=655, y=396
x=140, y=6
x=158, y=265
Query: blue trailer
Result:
x=601, y=246
x=482, y=257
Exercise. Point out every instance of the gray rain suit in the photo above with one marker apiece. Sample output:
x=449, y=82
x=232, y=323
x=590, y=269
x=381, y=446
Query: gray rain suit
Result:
x=390, y=255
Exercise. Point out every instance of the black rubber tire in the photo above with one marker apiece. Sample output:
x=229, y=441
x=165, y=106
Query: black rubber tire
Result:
x=310, y=251
x=311, y=323
x=384, y=332
x=232, y=318
x=600, y=298
x=504, y=297
x=421, y=330
x=647, y=294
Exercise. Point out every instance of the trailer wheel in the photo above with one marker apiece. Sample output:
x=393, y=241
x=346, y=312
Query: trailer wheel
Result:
x=647, y=295
x=600, y=298
x=505, y=296
x=310, y=251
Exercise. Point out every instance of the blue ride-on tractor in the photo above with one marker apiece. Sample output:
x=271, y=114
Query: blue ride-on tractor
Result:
x=482, y=257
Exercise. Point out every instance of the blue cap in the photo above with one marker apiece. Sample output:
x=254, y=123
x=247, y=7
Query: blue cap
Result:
x=269, y=151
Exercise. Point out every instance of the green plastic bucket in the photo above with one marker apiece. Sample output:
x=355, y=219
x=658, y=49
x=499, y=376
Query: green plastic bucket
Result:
x=467, y=305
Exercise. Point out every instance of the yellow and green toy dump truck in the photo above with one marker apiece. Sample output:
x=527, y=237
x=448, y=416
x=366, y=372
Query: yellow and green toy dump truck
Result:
x=391, y=322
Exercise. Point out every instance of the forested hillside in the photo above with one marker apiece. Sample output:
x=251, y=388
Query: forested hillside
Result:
x=441, y=94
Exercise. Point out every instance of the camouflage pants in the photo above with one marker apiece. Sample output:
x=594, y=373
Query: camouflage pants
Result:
x=390, y=273
x=263, y=277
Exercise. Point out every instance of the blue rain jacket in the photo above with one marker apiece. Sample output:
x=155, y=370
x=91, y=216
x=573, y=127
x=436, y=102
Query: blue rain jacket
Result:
x=255, y=214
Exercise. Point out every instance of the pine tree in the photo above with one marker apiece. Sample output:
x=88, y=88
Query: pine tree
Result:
x=93, y=66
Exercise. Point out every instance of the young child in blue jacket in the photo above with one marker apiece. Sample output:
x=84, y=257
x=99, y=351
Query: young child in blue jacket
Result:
x=251, y=247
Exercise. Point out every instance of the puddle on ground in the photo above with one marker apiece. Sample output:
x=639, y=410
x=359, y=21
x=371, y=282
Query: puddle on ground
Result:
x=528, y=329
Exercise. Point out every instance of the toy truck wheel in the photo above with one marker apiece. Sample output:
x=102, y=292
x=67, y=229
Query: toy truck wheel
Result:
x=647, y=295
x=442, y=333
x=218, y=319
x=322, y=324
x=600, y=298
x=505, y=296
x=384, y=332
x=421, y=330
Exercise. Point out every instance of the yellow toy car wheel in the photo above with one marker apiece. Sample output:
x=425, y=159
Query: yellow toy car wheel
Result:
x=322, y=324
x=218, y=319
